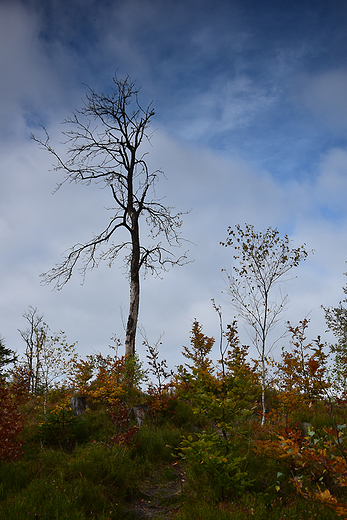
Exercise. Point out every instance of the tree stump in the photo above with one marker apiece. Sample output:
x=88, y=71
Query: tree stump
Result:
x=140, y=411
x=78, y=405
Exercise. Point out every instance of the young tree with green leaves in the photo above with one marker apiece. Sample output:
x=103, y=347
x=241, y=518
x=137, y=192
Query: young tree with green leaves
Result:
x=263, y=261
x=106, y=146
x=222, y=395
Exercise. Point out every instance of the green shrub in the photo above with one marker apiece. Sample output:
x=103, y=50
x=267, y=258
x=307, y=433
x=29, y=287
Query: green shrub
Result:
x=93, y=482
x=157, y=444
x=181, y=414
x=210, y=457
x=56, y=498
x=110, y=468
x=63, y=429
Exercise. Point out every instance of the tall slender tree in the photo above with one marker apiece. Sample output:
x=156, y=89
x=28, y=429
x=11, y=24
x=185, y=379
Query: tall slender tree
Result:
x=34, y=337
x=263, y=259
x=106, y=145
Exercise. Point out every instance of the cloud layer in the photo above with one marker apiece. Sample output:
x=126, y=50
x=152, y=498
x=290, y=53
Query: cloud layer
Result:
x=250, y=127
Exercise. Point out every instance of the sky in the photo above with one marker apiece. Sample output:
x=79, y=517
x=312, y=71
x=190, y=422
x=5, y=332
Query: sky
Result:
x=250, y=127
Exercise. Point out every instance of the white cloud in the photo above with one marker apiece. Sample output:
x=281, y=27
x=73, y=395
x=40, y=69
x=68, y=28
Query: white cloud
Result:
x=229, y=104
x=332, y=181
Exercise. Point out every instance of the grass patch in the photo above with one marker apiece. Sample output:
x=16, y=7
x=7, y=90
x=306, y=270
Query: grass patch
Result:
x=90, y=483
x=253, y=507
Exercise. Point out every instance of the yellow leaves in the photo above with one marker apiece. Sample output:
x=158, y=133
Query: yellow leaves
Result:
x=201, y=347
x=102, y=378
x=282, y=448
x=340, y=467
x=60, y=407
x=107, y=392
x=315, y=458
x=325, y=497
x=313, y=365
x=82, y=373
x=290, y=447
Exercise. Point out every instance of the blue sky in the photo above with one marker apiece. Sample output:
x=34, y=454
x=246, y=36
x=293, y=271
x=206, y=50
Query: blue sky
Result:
x=251, y=126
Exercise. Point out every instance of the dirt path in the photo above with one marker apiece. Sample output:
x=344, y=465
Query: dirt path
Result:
x=160, y=494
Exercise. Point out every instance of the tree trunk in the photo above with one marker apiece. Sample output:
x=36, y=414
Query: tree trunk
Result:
x=263, y=359
x=134, y=291
x=263, y=384
x=78, y=405
x=133, y=316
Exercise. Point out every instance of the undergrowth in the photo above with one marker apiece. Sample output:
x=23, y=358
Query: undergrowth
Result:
x=200, y=453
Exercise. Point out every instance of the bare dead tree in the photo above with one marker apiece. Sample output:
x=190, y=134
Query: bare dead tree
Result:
x=105, y=145
x=34, y=338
